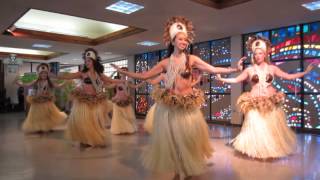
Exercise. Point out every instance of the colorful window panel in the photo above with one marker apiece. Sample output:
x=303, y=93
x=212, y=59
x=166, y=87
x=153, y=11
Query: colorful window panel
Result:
x=286, y=43
x=220, y=107
x=202, y=50
x=288, y=86
x=312, y=79
x=311, y=40
x=142, y=104
x=220, y=52
x=219, y=86
x=141, y=66
x=204, y=83
x=293, y=110
x=312, y=111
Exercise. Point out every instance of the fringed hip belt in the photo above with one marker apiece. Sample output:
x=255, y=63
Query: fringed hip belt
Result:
x=263, y=104
x=190, y=101
x=40, y=98
x=90, y=99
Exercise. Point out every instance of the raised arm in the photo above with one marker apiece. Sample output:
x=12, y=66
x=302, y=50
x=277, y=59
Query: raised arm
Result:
x=156, y=80
x=19, y=83
x=243, y=76
x=157, y=69
x=60, y=85
x=278, y=72
x=134, y=86
x=76, y=75
x=200, y=64
x=108, y=80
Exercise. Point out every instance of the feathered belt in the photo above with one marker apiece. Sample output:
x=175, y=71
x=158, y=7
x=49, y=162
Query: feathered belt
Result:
x=193, y=100
x=40, y=98
x=88, y=98
x=124, y=102
x=263, y=104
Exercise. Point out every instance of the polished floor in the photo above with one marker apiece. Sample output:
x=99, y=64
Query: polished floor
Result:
x=51, y=157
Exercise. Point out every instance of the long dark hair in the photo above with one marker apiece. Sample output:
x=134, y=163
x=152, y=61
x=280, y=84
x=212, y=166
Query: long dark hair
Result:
x=97, y=66
x=48, y=78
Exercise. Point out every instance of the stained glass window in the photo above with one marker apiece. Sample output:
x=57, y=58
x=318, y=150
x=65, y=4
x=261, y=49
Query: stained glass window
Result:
x=312, y=111
x=221, y=107
x=220, y=50
x=311, y=40
x=288, y=86
x=286, y=43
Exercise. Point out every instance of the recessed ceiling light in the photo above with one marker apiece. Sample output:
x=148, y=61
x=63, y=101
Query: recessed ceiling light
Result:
x=46, y=46
x=124, y=7
x=312, y=6
x=148, y=43
x=107, y=53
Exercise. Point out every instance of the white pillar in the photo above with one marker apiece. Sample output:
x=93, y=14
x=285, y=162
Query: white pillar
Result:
x=236, y=89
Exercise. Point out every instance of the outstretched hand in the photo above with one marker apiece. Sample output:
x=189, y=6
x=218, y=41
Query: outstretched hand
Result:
x=310, y=67
x=218, y=77
x=240, y=63
x=116, y=67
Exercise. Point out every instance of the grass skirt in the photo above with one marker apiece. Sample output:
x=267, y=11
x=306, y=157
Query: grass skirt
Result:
x=108, y=107
x=148, y=124
x=43, y=115
x=123, y=119
x=180, y=138
x=86, y=122
x=264, y=133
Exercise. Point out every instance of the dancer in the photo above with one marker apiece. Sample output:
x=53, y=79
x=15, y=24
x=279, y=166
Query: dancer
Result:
x=86, y=122
x=123, y=117
x=148, y=125
x=264, y=133
x=43, y=114
x=180, y=138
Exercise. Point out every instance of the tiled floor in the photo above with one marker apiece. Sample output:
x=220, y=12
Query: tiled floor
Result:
x=51, y=157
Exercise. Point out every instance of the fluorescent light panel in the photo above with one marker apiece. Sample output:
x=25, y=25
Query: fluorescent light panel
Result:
x=312, y=6
x=148, y=43
x=46, y=46
x=24, y=51
x=124, y=7
x=50, y=22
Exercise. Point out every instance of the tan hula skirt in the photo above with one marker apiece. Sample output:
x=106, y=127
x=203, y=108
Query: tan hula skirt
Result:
x=264, y=133
x=86, y=122
x=180, y=139
x=108, y=107
x=43, y=115
x=148, y=124
x=123, y=118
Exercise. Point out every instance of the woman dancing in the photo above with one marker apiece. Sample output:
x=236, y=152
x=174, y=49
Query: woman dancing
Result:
x=43, y=114
x=86, y=122
x=123, y=116
x=264, y=133
x=180, y=139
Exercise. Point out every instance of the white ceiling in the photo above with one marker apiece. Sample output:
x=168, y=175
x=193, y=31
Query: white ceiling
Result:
x=210, y=23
